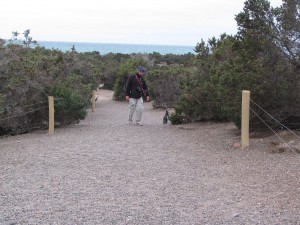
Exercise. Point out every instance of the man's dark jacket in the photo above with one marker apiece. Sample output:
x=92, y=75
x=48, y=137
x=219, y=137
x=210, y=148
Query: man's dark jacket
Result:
x=134, y=88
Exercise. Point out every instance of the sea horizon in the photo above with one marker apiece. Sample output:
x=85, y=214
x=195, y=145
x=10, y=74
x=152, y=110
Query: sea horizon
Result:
x=105, y=48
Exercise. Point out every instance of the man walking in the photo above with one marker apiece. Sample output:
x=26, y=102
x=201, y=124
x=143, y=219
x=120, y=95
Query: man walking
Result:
x=135, y=90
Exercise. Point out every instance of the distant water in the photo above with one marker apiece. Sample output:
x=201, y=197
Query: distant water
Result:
x=105, y=48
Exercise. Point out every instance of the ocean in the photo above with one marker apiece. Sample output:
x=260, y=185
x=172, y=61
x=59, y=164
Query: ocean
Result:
x=105, y=48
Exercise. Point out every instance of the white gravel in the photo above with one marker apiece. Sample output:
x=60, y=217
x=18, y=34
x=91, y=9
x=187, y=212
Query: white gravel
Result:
x=103, y=171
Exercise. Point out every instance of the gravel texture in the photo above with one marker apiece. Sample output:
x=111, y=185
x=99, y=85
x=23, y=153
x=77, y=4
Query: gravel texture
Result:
x=104, y=171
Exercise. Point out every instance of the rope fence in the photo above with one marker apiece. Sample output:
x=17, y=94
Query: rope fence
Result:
x=21, y=114
x=8, y=109
x=272, y=119
x=19, y=108
x=278, y=122
x=286, y=144
x=245, y=118
x=51, y=100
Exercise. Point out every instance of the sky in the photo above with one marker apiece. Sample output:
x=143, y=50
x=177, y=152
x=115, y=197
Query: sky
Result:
x=163, y=22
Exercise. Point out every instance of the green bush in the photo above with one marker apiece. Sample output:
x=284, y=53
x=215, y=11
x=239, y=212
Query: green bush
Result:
x=228, y=67
x=166, y=83
x=29, y=75
x=69, y=105
x=176, y=119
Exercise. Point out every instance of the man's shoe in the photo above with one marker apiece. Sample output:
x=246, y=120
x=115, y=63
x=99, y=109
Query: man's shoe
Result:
x=139, y=124
x=130, y=122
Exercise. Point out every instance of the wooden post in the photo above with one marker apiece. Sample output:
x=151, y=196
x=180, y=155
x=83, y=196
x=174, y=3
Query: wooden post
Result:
x=245, y=118
x=51, y=114
x=93, y=101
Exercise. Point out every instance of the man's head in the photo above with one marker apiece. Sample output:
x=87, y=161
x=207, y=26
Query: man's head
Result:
x=141, y=70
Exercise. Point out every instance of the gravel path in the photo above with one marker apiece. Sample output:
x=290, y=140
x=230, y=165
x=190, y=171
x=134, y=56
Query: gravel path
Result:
x=103, y=171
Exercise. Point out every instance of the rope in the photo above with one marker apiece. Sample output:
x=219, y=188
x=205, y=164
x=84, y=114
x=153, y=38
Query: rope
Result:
x=209, y=102
x=271, y=129
x=21, y=107
x=23, y=113
x=275, y=119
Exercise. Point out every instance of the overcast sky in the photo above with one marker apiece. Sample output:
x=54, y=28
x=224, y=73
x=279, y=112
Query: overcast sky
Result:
x=171, y=22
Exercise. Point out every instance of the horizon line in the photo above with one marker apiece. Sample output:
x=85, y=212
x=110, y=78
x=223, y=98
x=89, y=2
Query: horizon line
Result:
x=116, y=43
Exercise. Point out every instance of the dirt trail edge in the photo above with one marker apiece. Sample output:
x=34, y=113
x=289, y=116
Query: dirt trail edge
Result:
x=104, y=171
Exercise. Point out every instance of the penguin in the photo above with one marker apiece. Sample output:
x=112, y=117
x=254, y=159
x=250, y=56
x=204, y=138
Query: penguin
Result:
x=166, y=117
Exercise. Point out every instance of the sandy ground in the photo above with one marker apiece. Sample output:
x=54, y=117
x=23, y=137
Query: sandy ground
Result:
x=104, y=171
